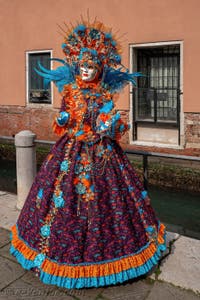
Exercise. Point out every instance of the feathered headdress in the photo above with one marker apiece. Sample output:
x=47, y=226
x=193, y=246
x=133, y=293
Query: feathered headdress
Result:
x=90, y=42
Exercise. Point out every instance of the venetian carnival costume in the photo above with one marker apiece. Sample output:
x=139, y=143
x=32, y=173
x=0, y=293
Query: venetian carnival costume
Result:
x=87, y=221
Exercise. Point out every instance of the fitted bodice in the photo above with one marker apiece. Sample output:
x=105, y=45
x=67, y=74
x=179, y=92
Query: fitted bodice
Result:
x=94, y=103
x=91, y=112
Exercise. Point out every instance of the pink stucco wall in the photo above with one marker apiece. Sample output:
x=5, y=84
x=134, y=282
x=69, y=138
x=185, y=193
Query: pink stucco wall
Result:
x=31, y=25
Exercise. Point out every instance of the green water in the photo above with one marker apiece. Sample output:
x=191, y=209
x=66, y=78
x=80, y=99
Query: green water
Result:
x=8, y=180
x=180, y=211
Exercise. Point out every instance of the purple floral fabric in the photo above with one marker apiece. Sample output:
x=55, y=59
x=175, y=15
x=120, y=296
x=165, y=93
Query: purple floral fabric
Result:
x=111, y=224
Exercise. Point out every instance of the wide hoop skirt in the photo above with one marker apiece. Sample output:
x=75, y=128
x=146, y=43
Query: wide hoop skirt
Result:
x=85, y=222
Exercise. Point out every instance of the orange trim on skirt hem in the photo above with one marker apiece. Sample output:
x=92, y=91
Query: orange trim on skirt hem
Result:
x=92, y=270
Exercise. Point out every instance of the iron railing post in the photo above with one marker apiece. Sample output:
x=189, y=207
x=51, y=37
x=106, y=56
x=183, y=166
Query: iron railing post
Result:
x=145, y=171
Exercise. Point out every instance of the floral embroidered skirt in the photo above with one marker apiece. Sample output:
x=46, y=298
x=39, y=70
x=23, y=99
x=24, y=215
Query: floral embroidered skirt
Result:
x=85, y=222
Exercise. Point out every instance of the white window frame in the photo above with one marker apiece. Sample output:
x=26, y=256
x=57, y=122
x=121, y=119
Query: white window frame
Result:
x=133, y=67
x=27, y=78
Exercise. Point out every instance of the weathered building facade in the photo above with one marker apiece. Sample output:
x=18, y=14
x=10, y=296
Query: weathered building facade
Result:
x=162, y=41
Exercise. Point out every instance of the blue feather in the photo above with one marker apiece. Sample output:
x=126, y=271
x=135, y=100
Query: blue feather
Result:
x=61, y=76
x=115, y=79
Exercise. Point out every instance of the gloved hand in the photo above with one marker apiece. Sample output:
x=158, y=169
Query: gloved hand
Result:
x=109, y=123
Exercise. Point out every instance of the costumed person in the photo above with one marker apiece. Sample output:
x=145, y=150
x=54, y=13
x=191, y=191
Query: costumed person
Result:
x=87, y=220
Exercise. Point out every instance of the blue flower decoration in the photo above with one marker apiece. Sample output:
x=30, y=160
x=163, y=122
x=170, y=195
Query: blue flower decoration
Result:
x=144, y=194
x=109, y=147
x=107, y=43
x=74, y=86
x=113, y=43
x=45, y=230
x=58, y=200
x=80, y=30
x=141, y=210
x=94, y=34
x=40, y=193
x=63, y=45
x=130, y=188
x=108, y=36
x=93, y=52
x=78, y=168
x=66, y=50
x=100, y=153
x=80, y=188
x=121, y=167
x=121, y=127
x=64, y=166
x=72, y=40
x=87, y=168
x=150, y=229
x=39, y=259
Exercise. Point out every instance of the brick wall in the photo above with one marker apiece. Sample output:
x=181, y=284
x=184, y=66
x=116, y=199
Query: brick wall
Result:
x=38, y=119
x=192, y=130
x=125, y=117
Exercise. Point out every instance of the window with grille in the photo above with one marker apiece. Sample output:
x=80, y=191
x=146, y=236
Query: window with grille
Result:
x=37, y=92
x=156, y=98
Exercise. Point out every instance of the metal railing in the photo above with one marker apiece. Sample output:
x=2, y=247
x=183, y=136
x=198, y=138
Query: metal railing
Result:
x=144, y=154
x=147, y=154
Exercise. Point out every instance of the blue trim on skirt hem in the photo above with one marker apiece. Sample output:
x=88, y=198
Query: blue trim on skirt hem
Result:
x=82, y=282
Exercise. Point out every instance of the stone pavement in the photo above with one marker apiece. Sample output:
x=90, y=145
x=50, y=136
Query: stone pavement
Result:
x=176, y=277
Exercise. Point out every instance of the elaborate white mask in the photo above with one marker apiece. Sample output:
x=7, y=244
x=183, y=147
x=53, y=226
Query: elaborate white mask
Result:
x=88, y=72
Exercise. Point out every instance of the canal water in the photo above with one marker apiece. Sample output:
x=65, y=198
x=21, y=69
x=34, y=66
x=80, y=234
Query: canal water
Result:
x=179, y=211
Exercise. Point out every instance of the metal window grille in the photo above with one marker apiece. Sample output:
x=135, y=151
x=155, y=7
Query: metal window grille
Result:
x=38, y=93
x=157, y=105
x=157, y=96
